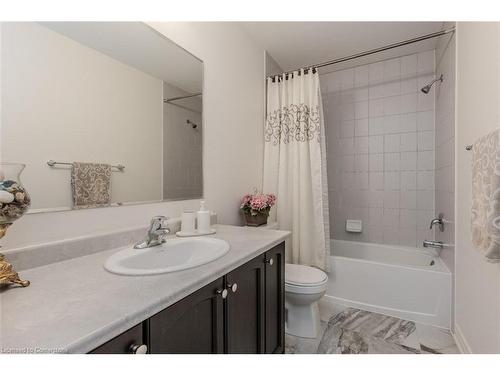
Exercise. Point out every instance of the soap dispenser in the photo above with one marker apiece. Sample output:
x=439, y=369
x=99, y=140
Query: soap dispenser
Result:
x=203, y=218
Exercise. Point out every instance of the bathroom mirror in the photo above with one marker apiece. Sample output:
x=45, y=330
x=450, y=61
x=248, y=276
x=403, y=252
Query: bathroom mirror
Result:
x=117, y=93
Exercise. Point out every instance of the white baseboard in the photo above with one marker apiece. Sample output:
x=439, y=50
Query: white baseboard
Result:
x=460, y=340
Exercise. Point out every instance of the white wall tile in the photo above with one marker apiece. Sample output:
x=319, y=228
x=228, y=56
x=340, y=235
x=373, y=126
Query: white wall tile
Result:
x=376, y=180
x=392, y=124
x=425, y=180
x=408, y=161
x=425, y=160
x=426, y=140
x=391, y=217
x=361, y=145
x=408, y=180
x=376, y=107
x=381, y=149
x=347, y=79
x=425, y=200
x=391, y=199
x=391, y=162
x=361, y=127
x=391, y=181
x=392, y=105
x=409, y=86
x=376, y=126
x=376, y=215
x=408, y=65
x=376, y=72
x=361, y=110
x=409, y=103
x=376, y=198
x=376, y=162
x=376, y=144
x=408, y=198
x=425, y=62
x=425, y=121
x=408, y=142
x=425, y=101
x=392, y=69
x=407, y=218
x=361, y=163
x=391, y=88
x=361, y=76
x=392, y=143
x=347, y=129
x=408, y=122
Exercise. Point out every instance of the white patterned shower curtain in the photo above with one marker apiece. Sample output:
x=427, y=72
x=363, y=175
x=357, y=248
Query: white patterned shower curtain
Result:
x=295, y=165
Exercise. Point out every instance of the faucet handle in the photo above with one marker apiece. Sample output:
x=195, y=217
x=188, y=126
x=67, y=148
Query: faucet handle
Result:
x=157, y=221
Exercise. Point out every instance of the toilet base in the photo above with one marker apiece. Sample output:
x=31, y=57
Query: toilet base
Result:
x=302, y=320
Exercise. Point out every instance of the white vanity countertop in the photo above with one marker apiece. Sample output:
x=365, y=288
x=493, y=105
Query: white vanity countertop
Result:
x=76, y=305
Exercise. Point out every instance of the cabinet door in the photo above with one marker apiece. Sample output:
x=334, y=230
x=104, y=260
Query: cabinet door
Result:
x=129, y=342
x=275, y=299
x=244, y=308
x=193, y=325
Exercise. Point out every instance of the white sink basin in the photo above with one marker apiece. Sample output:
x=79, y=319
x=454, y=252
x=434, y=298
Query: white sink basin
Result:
x=174, y=255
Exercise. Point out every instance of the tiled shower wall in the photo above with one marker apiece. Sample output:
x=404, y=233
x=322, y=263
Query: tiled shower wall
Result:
x=380, y=149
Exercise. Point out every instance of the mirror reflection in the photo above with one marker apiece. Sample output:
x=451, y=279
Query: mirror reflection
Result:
x=77, y=97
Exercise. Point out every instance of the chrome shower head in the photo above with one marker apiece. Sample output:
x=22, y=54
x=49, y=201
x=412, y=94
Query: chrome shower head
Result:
x=427, y=88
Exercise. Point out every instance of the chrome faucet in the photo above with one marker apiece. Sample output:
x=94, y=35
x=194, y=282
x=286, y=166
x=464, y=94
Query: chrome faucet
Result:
x=433, y=244
x=439, y=221
x=156, y=235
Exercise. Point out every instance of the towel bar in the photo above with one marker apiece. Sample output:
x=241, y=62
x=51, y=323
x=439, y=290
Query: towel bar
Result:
x=53, y=163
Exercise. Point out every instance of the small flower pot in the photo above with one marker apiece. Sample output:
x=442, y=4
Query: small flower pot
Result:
x=256, y=220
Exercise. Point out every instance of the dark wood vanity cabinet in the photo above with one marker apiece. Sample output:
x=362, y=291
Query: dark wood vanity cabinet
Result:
x=275, y=300
x=129, y=342
x=245, y=308
x=193, y=325
x=242, y=312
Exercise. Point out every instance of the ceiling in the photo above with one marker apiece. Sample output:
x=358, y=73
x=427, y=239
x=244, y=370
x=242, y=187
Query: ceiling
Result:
x=298, y=44
x=137, y=45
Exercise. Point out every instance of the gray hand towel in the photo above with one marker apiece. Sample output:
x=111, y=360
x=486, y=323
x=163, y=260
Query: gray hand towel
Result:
x=91, y=185
x=485, y=218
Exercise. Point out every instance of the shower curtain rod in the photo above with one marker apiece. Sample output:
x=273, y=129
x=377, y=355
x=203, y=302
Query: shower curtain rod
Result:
x=372, y=51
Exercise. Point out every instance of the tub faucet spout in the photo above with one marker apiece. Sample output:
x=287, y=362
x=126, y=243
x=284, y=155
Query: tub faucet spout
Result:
x=433, y=244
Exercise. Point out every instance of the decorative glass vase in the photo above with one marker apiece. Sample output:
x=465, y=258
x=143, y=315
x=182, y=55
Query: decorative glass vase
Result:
x=14, y=202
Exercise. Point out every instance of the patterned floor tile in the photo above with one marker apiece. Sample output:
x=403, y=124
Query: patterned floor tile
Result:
x=347, y=330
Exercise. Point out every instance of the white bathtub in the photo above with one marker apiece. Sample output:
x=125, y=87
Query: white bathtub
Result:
x=404, y=282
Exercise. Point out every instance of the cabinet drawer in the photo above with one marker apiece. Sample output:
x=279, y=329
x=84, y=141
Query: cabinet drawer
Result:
x=126, y=343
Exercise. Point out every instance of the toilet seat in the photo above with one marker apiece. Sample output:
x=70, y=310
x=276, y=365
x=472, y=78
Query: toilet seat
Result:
x=304, y=279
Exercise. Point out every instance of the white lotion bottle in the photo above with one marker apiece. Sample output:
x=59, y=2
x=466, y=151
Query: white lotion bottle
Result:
x=203, y=218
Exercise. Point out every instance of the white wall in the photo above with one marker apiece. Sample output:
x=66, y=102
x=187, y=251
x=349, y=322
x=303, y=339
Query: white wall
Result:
x=477, y=309
x=380, y=149
x=233, y=139
x=62, y=100
x=272, y=67
x=445, y=146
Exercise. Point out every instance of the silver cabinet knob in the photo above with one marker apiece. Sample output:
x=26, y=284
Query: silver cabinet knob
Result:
x=139, y=349
x=222, y=293
x=270, y=261
x=233, y=287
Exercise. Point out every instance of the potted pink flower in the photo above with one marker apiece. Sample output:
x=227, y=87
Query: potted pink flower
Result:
x=256, y=208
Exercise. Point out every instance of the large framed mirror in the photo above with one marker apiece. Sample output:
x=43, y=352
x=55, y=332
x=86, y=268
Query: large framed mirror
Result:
x=117, y=94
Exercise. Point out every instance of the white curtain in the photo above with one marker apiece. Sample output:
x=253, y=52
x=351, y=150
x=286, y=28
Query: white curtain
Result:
x=295, y=165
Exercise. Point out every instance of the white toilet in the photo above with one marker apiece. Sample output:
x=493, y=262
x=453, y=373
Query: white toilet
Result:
x=304, y=286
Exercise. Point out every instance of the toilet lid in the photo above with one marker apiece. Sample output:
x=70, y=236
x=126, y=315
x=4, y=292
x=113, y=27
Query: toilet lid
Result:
x=297, y=274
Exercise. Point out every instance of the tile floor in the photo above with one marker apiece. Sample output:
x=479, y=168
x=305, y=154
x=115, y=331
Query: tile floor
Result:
x=347, y=330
